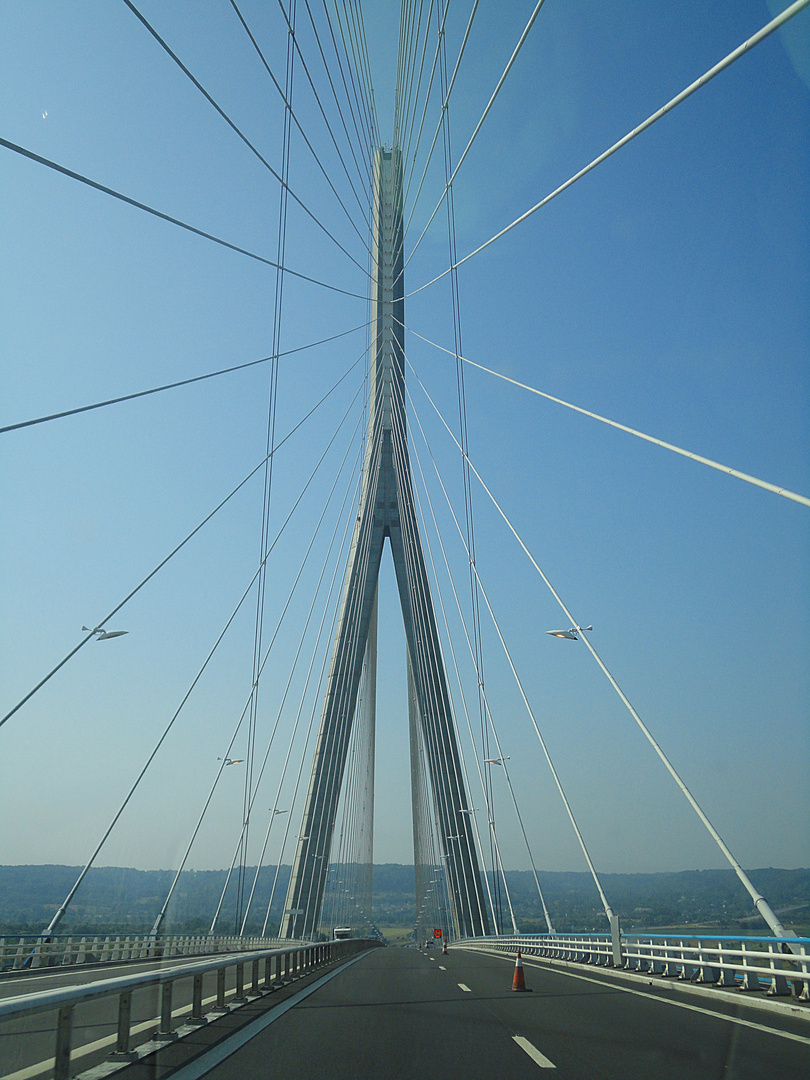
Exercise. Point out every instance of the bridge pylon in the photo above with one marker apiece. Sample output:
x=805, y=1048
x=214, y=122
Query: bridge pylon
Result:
x=386, y=510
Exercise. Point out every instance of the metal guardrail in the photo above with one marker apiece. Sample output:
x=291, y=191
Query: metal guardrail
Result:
x=280, y=966
x=35, y=951
x=777, y=966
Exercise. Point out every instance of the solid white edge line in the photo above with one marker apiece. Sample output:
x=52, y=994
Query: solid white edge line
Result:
x=698, y=1009
x=222, y=1050
x=667, y=1001
x=534, y=1053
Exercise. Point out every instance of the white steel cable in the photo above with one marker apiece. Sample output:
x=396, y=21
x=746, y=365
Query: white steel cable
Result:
x=490, y=812
x=261, y=669
x=760, y=902
x=775, y=488
x=445, y=103
x=338, y=564
x=177, y=548
x=326, y=793
x=300, y=646
x=486, y=701
x=557, y=781
x=746, y=46
x=303, y=134
x=490, y=815
x=409, y=161
x=479, y=125
x=64, y=906
x=430, y=668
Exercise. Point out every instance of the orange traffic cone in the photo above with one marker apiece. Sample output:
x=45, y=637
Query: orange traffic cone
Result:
x=518, y=980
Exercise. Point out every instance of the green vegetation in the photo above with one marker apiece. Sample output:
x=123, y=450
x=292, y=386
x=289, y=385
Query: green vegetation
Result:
x=120, y=900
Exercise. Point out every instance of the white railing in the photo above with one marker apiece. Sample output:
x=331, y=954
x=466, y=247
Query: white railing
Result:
x=280, y=967
x=777, y=966
x=37, y=951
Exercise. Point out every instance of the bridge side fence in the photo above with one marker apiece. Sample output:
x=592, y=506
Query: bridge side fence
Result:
x=280, y=967
x=36, y=951
x=776, y=966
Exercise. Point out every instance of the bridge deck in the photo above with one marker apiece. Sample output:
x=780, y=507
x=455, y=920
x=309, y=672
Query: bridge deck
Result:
x=400, y=1013
x=406, y=1013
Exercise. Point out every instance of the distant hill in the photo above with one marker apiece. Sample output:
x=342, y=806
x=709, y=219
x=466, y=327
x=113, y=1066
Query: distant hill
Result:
x=683, y=898
x=120, y=899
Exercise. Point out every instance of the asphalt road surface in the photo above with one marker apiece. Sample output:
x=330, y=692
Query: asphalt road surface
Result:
x=402, y=1013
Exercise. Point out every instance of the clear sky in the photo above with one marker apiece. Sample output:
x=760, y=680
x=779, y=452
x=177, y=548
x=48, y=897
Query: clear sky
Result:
x=667, y=290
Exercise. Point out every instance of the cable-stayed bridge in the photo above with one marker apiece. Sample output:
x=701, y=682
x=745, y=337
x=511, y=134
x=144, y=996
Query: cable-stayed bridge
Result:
x=412, y=455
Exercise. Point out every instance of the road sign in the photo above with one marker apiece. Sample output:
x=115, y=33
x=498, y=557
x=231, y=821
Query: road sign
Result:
x=437, y=932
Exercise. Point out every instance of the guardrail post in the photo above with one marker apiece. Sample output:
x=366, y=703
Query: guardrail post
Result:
x=750, y=978
x=165, y=1029
x=254, y=982
x=727, y=976
x=240, y=982
x=616, y=941
x=268, y=969
x=124, y=1014
x=220, y=1005
x=801, y=987
x=196, y=1001
x=686, y=966
x=779, y=984
x=706, y=972
x=19, y=956
x=64, y=1032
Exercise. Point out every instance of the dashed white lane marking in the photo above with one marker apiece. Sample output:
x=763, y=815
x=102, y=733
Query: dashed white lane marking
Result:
x=534, y=1053
x=431, y=959
x=689, y=1008
x=465, y=988
x=442, y=967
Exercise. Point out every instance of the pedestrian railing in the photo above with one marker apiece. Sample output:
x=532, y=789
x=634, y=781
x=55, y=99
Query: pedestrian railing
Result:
x=25, y=952
x=267, y=969
x=777, y=966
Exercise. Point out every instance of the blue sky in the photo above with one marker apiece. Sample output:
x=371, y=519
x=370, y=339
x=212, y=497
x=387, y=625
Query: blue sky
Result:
x=666, y=290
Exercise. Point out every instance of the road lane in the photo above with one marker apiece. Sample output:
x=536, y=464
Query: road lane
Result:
x=396, y=1014
x=392, y=1014
x=591, y=1025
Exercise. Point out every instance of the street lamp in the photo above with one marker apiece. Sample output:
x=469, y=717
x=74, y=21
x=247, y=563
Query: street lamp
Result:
x=571, y=634
x=104, y=635
x=498, y=760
